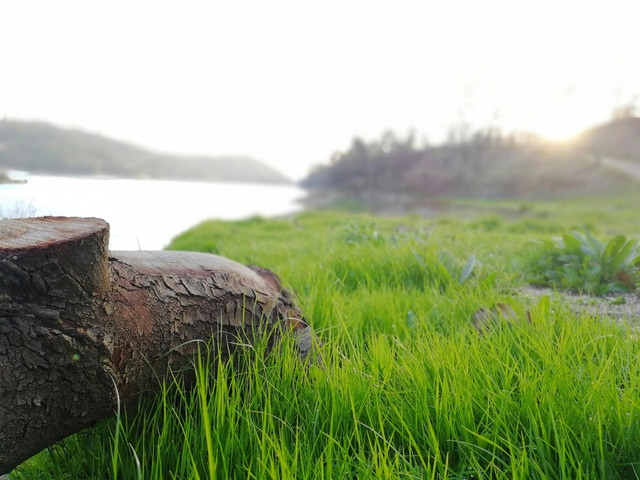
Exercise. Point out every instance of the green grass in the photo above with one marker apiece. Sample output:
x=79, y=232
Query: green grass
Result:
x=408, y=387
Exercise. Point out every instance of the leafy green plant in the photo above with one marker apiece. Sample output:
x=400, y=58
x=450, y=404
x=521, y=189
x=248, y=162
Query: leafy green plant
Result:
x=362, y=233
x=449, y=267
x=582, y=262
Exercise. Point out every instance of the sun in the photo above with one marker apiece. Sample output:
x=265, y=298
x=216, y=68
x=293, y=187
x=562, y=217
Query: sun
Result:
x=560, y=130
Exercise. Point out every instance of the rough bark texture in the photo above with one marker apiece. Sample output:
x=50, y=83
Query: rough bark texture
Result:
x=77, y=321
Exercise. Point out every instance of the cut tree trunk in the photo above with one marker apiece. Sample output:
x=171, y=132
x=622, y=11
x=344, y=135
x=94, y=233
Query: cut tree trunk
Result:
x=80, y=325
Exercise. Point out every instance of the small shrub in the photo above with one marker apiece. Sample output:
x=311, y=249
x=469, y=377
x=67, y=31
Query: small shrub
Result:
x=584, y=263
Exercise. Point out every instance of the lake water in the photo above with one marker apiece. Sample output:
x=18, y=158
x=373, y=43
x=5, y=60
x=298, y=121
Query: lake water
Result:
x=145, y=214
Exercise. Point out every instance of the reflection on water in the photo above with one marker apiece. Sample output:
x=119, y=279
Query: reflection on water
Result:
x=145, y=214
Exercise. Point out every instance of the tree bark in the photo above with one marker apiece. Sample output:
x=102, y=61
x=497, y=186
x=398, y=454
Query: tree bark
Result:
x=78, y=322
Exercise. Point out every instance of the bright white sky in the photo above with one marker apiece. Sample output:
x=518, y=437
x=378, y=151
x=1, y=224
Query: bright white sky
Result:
x=291, y=81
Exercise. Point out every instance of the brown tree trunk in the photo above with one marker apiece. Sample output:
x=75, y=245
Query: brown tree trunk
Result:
x=77, y=322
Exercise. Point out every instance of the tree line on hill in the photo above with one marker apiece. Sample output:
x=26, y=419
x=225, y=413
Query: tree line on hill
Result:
x=482, y=163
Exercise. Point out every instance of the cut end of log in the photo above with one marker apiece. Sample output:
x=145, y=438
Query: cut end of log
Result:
x=22, y=234
x=78, y=245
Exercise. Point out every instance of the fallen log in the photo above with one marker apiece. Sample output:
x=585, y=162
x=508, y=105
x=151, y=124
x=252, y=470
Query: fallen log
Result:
x=79, y=323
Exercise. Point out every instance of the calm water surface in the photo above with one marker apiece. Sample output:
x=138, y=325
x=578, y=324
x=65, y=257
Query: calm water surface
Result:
x=145, y=214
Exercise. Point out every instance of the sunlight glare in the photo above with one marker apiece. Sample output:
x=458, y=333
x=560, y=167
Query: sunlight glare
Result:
x=556, y=130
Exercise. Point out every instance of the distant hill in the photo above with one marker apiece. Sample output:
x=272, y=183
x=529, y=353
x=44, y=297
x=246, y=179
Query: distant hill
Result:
x=484, y=164
x=42, y=148
x=618, y=138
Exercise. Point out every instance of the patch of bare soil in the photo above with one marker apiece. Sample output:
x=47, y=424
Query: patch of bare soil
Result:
x=624, y=307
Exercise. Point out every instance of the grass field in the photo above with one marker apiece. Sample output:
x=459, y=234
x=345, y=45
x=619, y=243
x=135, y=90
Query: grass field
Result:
x=408, y=387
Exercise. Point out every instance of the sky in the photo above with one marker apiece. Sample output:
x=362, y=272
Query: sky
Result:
x=290, y=82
